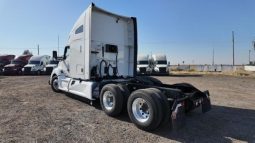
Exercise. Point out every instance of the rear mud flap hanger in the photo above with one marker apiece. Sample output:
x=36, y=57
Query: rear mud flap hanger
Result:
x=178, y=113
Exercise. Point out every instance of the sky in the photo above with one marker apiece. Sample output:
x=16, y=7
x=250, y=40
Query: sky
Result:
x=184, y=30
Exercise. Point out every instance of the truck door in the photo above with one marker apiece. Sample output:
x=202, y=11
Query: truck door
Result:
x=77, y=53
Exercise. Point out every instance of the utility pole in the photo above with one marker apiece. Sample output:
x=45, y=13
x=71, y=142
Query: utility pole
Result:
x=213, y=58
x=38, y=51
x=253, y=44
x=233, y=40
x=249, y=56
x=253, y=62
x=58, y=45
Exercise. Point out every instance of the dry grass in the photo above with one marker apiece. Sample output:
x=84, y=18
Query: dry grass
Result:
x=31, y=112
x=238, y=73
x=1, y=77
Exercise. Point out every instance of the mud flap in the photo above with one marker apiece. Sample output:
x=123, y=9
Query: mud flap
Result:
x=206, y=104
x=178, y=117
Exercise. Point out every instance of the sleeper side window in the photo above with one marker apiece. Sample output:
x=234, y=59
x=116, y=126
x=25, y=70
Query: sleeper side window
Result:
x=79, y=29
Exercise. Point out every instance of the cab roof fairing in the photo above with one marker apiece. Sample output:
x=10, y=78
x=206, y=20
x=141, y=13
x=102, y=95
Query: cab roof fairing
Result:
x=92, y=7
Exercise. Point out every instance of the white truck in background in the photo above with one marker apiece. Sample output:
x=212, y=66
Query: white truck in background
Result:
x=144, y=64
x=36, y=65
x=100, y=63
x=53, y=63
x=49, y=67
x=160, y=64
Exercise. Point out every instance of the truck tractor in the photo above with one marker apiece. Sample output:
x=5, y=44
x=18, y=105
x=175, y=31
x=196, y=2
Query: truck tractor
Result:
x=36, y=65
x=100, y=63
x=144, y=65
x=16, y=65
x=5, y=60
x=160, y=64
x=52, y=64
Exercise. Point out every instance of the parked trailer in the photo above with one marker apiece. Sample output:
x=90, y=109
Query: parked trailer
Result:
x=5, y=60
x=36, y=65
x=100, y=63
x=16, y=65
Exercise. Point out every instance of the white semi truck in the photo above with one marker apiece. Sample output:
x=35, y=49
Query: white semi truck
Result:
x=36, y=65
x=53, y=63
x=100, y=62
x=160, y=64
x=144, y=64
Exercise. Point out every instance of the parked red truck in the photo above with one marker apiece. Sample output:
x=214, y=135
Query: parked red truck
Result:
x=5, y=60
x=16, y=65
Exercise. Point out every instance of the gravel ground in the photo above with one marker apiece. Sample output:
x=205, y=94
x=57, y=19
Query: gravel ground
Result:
x=31, y=112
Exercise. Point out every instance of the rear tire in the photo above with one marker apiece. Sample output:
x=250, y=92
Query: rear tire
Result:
x=144, y=109
x=165, y=106
x=111, y=100
x=19, y=72
x=125, y=92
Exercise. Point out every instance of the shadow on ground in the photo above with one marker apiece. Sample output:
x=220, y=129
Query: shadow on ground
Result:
x=221, y=124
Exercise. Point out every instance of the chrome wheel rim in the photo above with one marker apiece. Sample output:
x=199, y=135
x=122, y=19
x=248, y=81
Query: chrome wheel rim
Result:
x=140, y=110
x=108, y=100
x=55, y=83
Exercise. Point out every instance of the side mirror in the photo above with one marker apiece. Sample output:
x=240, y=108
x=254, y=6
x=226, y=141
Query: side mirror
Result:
x=66, y=48
x=55, y=55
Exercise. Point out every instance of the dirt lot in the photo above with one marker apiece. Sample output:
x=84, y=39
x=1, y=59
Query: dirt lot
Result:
x=30, y=111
